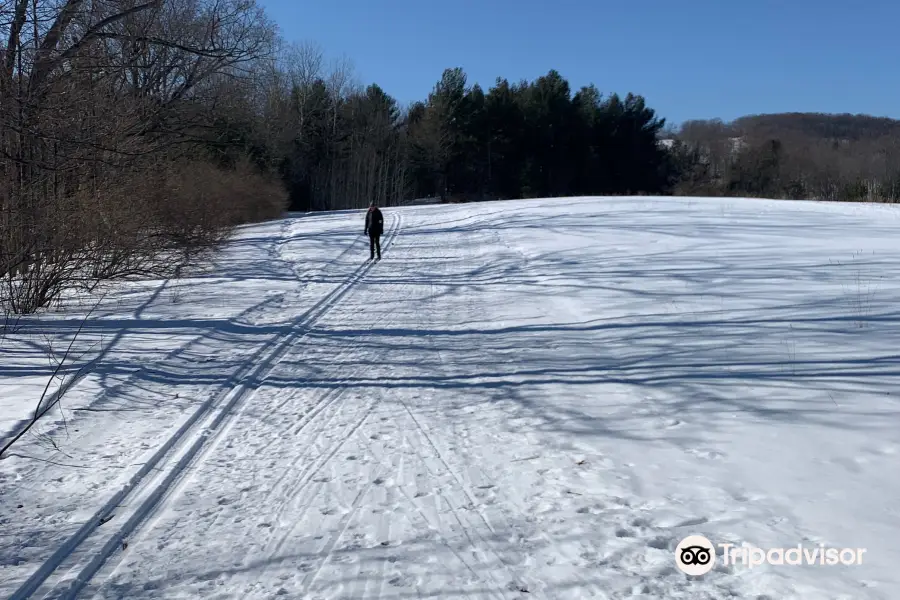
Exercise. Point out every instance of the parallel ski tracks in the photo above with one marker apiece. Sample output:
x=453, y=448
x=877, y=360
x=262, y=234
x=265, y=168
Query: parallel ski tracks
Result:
x=179, y=353
x=138, y=498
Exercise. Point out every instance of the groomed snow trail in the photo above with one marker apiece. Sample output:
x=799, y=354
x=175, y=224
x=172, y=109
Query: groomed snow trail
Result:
x=532, y=399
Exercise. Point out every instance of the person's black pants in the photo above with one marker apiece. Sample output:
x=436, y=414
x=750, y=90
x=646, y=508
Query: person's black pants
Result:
x=374, y=244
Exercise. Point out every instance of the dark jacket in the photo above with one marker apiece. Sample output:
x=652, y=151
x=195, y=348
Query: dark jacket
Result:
x=374, y=222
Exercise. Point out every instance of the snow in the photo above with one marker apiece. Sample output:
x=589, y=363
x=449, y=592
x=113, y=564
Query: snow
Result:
x=523, y=399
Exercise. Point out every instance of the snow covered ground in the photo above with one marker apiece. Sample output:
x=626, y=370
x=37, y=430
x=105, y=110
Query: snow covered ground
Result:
x=533, y=399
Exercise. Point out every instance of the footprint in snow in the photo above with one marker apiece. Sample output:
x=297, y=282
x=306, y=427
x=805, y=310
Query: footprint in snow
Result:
x=706, y=454
x=641, y=522
x=692, y=522
x=343, y=558
x=660, y=543
x=402, y=581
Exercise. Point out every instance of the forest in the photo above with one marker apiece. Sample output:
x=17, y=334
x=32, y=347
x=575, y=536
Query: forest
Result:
x=136, y=134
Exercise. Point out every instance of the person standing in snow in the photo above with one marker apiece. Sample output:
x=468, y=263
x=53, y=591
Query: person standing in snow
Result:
x=374, y=229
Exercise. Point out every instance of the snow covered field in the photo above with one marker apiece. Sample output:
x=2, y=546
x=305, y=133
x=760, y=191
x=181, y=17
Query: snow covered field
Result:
x=533, y=399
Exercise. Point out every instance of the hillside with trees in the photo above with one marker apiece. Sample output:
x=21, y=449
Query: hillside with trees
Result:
x=793, y=155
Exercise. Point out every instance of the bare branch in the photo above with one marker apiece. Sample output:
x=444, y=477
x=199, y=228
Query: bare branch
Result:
x=45, y=404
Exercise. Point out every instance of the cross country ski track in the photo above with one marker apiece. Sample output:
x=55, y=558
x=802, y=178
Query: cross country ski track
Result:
x=301, y=490
x=415, y=448
x=413, y=462
x=93, y=544
x=185, y=354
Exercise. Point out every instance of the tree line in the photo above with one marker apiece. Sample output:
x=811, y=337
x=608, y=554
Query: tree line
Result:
x=136, y=134
x=802, y=156
x=337, y=144
x=340, y=145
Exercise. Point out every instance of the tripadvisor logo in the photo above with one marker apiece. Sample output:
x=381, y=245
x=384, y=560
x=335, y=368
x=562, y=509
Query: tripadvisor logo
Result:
x=696, y=555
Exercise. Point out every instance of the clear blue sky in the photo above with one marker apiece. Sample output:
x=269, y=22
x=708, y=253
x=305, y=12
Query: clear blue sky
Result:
x=690, y=59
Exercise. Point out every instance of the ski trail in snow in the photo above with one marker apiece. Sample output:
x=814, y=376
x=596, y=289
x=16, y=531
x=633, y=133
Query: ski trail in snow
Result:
x=171, y=360
x=485, y=533
x=182, y=356
x=309, y=495
x=497, y=575
x=453, y=498
x=431, y=522
x=478, y=546
x=185, y=445
x=328, y=549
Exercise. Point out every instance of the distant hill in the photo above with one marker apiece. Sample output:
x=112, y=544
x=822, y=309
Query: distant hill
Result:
x=791, y=155
x=817, y=125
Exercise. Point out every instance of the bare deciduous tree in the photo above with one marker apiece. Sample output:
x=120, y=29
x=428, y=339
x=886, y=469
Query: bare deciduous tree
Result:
x=97, y=99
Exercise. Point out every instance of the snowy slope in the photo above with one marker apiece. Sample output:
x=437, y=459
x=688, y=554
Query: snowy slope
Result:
x=533, y=399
